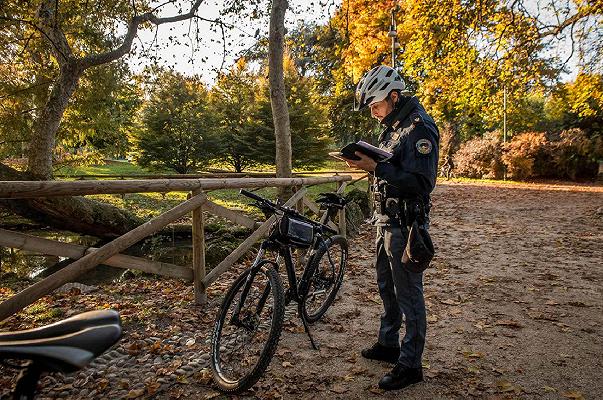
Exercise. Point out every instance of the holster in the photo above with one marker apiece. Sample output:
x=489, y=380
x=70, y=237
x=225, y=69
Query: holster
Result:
x=419, y=250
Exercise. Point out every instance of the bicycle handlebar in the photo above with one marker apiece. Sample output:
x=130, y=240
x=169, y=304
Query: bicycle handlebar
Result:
x=286, y=210
x=253, y=196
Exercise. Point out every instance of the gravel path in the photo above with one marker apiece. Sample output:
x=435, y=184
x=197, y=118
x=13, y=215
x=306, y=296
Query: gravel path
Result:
x=514, y=303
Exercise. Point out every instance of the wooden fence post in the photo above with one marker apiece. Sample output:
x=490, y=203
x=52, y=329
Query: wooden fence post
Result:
x=199, y=253
x=342, y=221
x=300, y=203
x=91, y=260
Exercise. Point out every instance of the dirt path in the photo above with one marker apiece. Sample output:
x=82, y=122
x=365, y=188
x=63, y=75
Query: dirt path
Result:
x=515, y=310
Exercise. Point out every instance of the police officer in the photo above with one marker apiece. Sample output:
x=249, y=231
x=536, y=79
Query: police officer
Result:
x=401, y=189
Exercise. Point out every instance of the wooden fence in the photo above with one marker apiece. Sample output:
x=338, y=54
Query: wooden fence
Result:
x=109, y=254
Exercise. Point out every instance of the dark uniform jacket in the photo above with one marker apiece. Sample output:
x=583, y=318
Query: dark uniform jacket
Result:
x=413, y=138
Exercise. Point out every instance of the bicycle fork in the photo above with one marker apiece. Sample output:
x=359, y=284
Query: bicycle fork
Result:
x=253, y=270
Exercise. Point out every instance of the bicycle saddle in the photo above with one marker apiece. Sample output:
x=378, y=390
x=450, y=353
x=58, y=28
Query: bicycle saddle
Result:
x=332, y=199
x=67, y=345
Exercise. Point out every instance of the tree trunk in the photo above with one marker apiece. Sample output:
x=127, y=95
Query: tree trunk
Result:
x=77, y=214
x=46, y=126
x=278, y=99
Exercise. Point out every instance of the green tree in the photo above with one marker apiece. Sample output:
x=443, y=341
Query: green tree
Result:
x=102, y=113
x=309, y=139
x=178, y=127
x=234, y=101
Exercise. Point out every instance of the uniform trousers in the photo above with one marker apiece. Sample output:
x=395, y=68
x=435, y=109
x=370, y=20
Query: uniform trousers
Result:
x=402, y=294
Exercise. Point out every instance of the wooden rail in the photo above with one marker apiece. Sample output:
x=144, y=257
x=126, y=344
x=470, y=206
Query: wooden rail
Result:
x=212, y=174
x=88, y=258
x=34, y=189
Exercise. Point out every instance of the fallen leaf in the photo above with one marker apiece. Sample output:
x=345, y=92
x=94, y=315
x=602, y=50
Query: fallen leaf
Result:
x=204, y=376
x=471, y=354
x=132, y=394
x=339, y=389
x=287, y=364
x=152, y=387
x=102, y=384
x=549, y=389
x=509, y=322
x=505, y=386
x=573, y=394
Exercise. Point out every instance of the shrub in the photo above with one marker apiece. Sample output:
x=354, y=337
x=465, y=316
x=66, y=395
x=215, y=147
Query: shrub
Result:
x=575, y=155
x=480, y=157
x=528, y=155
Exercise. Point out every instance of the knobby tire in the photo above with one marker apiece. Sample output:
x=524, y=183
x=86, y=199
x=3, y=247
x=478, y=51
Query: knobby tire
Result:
x=335, y=242
x=278, y=314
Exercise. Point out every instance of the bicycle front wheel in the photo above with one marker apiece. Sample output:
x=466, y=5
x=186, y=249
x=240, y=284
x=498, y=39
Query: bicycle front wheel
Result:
x=326, y=270
x=247, y=328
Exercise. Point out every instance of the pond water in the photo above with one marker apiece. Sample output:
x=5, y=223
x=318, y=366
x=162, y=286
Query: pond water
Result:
x=27, y=264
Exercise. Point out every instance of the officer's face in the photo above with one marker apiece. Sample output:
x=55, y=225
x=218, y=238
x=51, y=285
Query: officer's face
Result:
x=381, y=109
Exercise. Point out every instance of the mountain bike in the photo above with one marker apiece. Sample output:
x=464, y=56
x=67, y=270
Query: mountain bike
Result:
x=250, y=319
x=65, y=346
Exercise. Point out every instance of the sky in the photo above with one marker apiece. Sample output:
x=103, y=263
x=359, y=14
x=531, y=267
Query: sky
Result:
x=209, y=53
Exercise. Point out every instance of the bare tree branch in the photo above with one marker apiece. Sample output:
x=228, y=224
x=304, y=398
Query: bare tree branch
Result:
x=27, y=88
x=39, y=29
x=556, y=30
x=125, y=47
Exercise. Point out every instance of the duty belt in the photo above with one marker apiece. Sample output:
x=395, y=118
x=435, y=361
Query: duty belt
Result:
x=404, y=210
x=389, y=206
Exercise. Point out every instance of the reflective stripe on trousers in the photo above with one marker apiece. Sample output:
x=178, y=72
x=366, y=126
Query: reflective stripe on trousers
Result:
x=402, y=294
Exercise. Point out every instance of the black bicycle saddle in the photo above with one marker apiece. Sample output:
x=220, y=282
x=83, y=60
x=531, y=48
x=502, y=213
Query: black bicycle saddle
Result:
x=333, y=199
x=67, y=345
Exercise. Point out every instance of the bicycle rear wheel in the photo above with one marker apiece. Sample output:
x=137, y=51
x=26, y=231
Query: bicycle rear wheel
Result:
x=326, y=271
x=248, y=328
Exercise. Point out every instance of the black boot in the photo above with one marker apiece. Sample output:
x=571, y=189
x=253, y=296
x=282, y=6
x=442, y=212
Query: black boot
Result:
x=382, y=353
x=400, y=377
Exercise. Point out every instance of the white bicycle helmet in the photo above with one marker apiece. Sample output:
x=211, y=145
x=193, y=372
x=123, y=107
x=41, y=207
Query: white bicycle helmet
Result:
x=376, y=84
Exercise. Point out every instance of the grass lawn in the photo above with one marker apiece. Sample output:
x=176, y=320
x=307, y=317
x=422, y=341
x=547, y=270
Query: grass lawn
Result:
x=148, y=205
x=109, y=168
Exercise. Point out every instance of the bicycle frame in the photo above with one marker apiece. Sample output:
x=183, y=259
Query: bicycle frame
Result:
x=284, y=251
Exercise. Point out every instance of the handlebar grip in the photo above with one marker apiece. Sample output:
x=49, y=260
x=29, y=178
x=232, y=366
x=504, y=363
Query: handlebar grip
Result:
x=251, y=195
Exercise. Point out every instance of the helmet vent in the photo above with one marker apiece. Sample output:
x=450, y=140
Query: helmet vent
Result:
x=373, y=83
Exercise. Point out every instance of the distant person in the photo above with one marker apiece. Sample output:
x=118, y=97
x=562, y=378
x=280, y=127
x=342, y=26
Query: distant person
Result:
x=447, y=167
x=401, y=191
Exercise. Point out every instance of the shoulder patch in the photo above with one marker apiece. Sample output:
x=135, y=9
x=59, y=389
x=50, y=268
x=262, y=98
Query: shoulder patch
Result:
x=424, y=146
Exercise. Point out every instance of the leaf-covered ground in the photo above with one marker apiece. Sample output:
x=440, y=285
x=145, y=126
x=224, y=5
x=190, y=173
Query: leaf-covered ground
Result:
x=514, y=303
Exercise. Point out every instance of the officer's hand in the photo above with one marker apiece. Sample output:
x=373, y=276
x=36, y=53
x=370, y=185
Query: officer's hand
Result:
x=366, y=163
